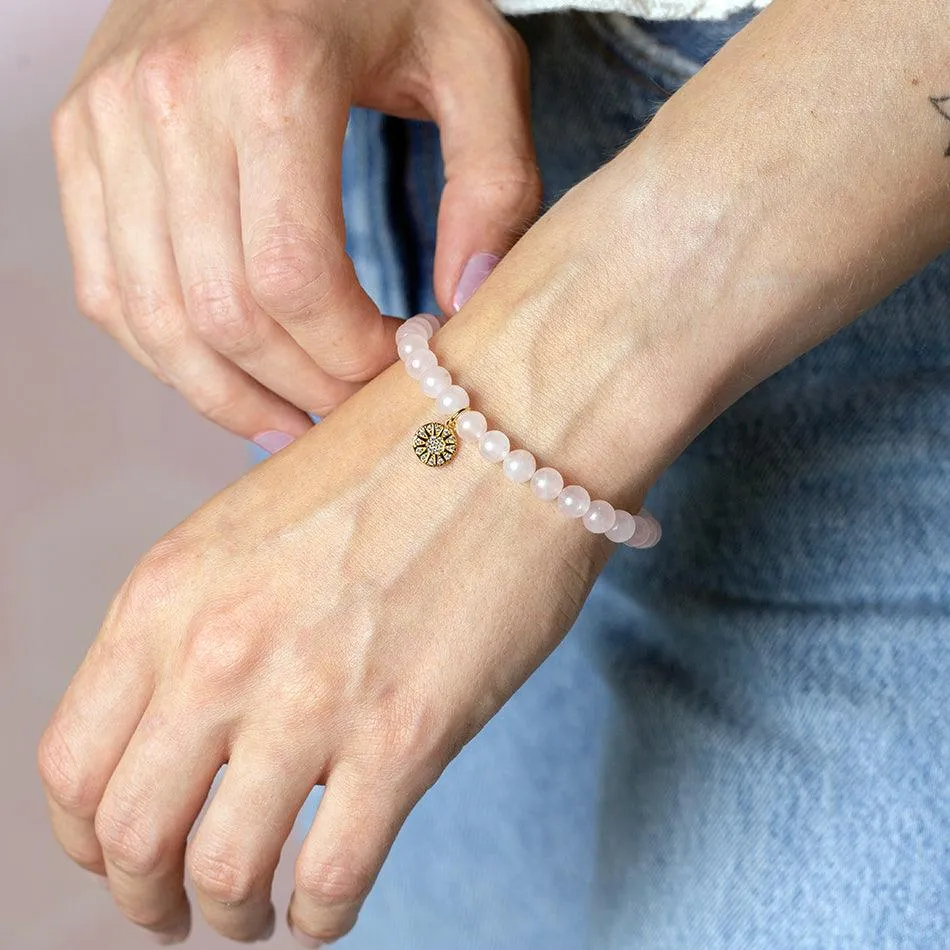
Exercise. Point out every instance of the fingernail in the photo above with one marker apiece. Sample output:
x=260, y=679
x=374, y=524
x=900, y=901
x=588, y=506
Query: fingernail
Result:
x=168, y=940
x=273, y=441
x=305, y=940
x=268, y=931
x=479, y=266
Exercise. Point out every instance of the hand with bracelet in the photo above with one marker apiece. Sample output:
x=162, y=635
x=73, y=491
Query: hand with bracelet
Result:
x=346, y=616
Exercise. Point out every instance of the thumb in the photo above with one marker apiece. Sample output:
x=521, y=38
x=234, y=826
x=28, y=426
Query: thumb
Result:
x=492, y=185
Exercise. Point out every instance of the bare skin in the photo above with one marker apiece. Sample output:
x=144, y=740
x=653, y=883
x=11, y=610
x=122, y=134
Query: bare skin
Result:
x=290, y=627
x=199, y=156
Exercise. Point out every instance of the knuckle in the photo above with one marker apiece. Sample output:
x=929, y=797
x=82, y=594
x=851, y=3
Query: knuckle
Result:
x=333, y=884
x=406, y=744
x=127, y=841
x=324, y=402
x=96, y=299
x=222, y=879
x=221, y=318
x=64, y=778
x=155, y=319
x=155, y=580
x=291, y=273
x=407, y=732
x=511, y=51
x=221, y=649
x=108, y=91
x=143, y=915
x=160, y=74
x=88, y=858
x=65, y=127
x=267, y=62
x=517, y=188
x=219, y=401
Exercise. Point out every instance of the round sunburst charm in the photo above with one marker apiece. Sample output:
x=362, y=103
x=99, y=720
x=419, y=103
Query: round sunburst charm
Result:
x=435, y=444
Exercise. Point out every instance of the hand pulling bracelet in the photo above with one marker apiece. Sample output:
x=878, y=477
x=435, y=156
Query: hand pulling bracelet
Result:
x=436, y=443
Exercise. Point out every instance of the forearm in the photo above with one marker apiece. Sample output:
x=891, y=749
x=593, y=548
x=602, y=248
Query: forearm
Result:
x=791, y=184
x=812, y=150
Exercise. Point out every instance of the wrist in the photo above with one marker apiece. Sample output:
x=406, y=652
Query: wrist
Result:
x=560, y=350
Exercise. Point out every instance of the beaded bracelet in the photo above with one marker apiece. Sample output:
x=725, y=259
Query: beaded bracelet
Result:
x=436, y=443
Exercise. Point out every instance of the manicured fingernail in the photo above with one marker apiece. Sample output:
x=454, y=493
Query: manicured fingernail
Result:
x=479, y=266
x=305, y=940
x=273, y=441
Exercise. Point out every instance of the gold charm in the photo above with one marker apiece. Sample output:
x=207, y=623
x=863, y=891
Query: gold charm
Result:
x=436, y=443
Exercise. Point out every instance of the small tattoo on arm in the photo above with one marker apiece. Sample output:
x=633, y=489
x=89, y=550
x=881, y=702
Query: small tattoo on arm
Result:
x=942, y=105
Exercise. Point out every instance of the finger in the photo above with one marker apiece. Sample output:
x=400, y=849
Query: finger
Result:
x=86, y=737
x=151, y=292
x=354, y=829
x=235, y=852
x=84, y=218
x=492, y=185
x=149, y=806
x=294, y=238
x=209, y=251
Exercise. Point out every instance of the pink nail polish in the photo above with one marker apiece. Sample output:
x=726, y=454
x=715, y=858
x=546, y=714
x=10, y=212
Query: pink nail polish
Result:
x=305, y=940
x=273, y=441
x=473, y=275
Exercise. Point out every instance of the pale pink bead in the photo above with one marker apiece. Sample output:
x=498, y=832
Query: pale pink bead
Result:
x=411, y=343
x=420, y=362
x=422, y=323
x=452, y=400
x=657, y=531
x=408, y=327
x=623, y=527
x=599, y=517
x=519, y=465
x=647, y=532
x=430, y=319
x=494, y=445
x=435, y=381
x=573, y=501
x=471, y=425
x=547, y=483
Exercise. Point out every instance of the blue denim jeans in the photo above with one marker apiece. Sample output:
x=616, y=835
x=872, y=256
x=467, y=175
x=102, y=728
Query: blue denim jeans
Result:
x=743, y=744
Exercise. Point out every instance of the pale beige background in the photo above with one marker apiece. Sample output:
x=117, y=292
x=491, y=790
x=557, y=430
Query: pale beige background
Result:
x=96, y=461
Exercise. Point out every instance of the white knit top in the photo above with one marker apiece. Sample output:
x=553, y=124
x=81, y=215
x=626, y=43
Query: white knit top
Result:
x=648, y=9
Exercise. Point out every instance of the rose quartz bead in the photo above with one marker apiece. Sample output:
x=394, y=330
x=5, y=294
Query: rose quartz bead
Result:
x=420, y=362
x=471, y=425
x=647, y=532
x=428, y=318
x=452, y=400
x=519, y=465
x=494, y=445
x=435, y=381
x=418, y=324
x=599, y=517
x=411, y=343
x=407, y=327
x=623, y=527
x=573, y=501
x=546, y=483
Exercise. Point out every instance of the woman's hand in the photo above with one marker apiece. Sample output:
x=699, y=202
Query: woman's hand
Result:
x=199, y=155
x=342, y=615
